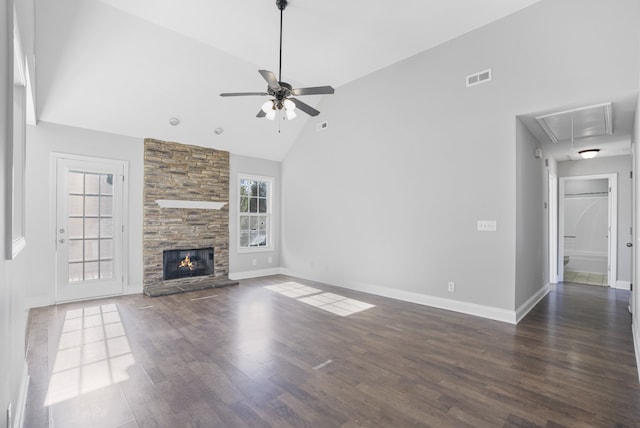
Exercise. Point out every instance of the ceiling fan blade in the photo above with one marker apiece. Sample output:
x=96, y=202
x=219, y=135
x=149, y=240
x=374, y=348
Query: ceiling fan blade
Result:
x=305, y=107
x=261, y=113
x=317, y=90
x=271, y=79
x=241, y=94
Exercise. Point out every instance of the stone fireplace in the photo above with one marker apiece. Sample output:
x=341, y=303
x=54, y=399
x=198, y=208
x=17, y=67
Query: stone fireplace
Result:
x=193, y=178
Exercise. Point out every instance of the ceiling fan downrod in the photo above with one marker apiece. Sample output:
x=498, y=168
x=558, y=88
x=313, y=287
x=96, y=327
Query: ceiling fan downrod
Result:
x=282, y=5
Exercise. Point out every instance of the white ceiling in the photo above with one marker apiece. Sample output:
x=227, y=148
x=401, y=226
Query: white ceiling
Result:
x=127, y=66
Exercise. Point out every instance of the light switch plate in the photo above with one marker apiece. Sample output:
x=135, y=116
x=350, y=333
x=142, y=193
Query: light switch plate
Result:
x=487, y=225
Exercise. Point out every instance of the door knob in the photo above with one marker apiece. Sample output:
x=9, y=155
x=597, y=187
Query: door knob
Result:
x=61, y=231
x=629, y=244
x=61, y=241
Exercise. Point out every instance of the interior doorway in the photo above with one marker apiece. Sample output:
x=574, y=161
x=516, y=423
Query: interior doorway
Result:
x=587, y=220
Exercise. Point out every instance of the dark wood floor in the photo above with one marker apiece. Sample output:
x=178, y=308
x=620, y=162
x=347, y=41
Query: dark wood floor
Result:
x=247, y=356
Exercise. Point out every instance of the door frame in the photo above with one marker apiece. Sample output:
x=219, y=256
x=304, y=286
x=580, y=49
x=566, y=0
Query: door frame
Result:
x=53, y=213
x=553, y=228
x=612, y=246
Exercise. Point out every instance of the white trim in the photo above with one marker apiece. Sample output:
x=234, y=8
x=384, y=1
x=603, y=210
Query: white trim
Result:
x=271, y=184
x=553, y=228
x=203, y=205
x=488, y=312
x=254, y=273
x=636, y=347
x=526, y=307
x=133, y=289
x=623, y=285
x=18, y=421
x=39, y=301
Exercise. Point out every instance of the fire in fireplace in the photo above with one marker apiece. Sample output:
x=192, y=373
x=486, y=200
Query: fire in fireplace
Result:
x=187, y=263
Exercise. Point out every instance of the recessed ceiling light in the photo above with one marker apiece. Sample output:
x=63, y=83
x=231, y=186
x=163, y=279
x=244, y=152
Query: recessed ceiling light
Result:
x=218, y=131
x=174, y=121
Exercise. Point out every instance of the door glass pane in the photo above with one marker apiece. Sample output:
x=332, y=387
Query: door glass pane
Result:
x=76, y=228
x=91, y=184
x=91, y=205
x=106, y=227
x=75, y=181
x=106, y=269
x=91, y=249
x=75, y=272
x=91, y=227
x=75, y=205
x=106, y=206
x=91, y=270
x=75, y=250
x=106, y=184
x=106, y=249
x=263, y=189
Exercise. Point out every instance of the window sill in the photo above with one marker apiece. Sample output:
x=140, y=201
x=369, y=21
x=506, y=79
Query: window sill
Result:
x=255, y=250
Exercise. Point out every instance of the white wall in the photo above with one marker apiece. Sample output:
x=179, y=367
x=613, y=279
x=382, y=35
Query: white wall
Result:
x=241, y=264
x=621, y=165
x=45, y=139
x=386, y=199
x=531, y=228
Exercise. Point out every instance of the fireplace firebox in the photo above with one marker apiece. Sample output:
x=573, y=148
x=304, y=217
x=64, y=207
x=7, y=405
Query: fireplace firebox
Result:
x=187, y=263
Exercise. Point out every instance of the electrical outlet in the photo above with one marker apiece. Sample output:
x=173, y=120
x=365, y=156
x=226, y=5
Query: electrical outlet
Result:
x=451, y=287
x=270, y=260
x=254, y=262
x=487, y=225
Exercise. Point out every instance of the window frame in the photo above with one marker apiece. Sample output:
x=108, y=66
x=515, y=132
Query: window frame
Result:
x=269, y=213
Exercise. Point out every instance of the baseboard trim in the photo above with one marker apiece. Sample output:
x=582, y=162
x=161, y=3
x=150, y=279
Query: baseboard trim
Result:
x=488, y=312
x=636, y=346
x=524, y=309
x=623, y=285
x=255, y=273
x=39, y=302
x=18, y=421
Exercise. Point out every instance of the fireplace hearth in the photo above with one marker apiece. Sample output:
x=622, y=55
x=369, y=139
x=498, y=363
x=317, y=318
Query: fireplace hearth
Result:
x=187, y=263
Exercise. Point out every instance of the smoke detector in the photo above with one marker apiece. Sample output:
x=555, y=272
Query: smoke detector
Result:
x=174, y=121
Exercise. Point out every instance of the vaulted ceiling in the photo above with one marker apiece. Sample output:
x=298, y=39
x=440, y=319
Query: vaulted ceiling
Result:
x=127, y=67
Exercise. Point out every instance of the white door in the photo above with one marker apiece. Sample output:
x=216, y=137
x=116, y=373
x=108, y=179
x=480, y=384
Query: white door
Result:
x=89, y=228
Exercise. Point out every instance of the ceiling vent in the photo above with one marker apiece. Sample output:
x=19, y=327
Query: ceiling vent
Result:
x=480, y=77
x=591, y=121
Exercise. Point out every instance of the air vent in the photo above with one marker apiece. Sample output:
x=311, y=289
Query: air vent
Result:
x=480, y=77
x=322, y=126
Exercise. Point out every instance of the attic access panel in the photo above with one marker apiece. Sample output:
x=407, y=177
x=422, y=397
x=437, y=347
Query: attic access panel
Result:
x=591, y=121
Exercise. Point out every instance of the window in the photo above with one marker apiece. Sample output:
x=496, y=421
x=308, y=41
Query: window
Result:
x=254, y=220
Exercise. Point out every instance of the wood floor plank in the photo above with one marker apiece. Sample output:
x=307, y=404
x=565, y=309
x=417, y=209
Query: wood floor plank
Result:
x=248, y=356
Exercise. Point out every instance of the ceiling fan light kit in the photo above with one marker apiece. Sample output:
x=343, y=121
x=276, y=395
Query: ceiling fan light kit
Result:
x=282, y=92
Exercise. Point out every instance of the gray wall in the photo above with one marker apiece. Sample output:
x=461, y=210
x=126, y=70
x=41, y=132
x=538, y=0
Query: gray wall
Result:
x=620, y=165
x=241, y=264
x=388, y=196
x=531, y=228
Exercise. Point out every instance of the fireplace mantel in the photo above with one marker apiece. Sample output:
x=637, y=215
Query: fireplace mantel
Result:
x=203, y=205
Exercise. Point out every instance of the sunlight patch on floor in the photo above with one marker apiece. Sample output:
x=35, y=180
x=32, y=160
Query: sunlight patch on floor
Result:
x=329, y=302
x=93, y=352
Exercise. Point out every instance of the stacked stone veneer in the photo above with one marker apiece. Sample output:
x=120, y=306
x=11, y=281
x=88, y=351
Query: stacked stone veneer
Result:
x=184, y=172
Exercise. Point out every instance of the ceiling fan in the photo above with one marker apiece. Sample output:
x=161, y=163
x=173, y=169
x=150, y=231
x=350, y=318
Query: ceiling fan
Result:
x=282, y=92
